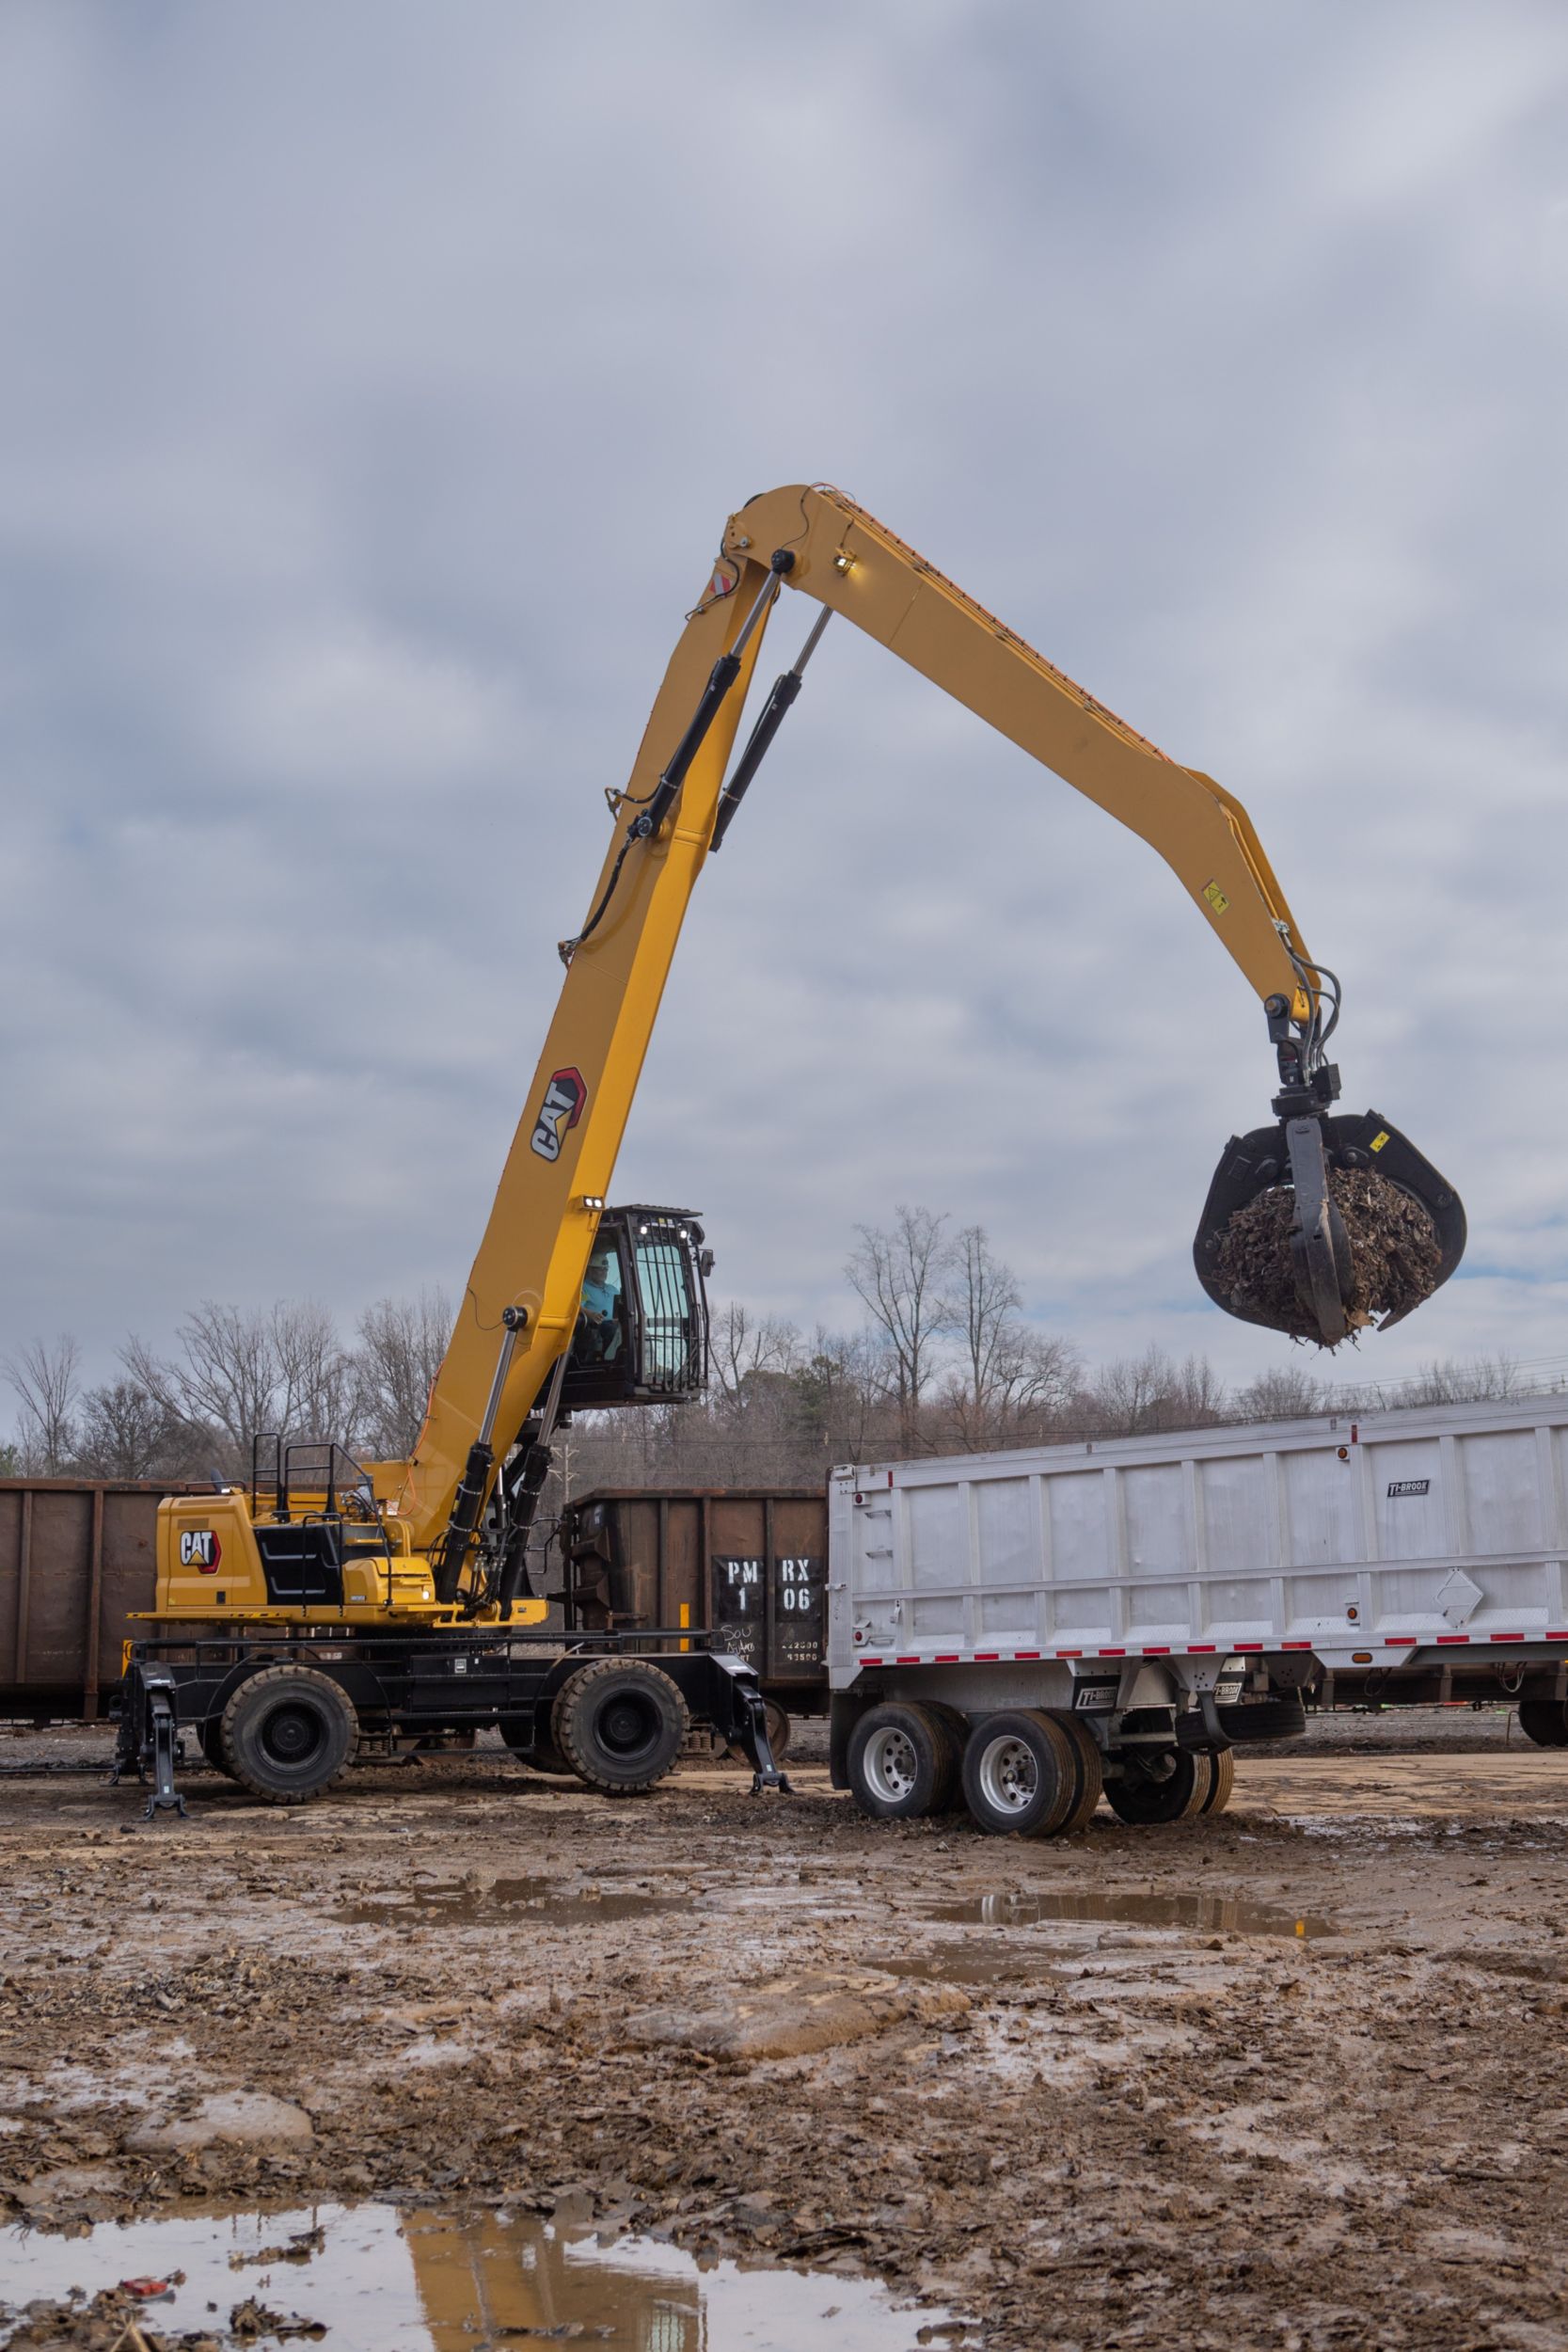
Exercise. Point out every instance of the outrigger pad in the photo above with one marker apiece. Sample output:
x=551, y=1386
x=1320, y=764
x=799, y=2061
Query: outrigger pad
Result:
x=1403, y=1222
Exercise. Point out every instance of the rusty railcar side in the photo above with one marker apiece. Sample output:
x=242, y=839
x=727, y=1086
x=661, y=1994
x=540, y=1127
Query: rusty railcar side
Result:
x=77, y=1558
x=749, y=1563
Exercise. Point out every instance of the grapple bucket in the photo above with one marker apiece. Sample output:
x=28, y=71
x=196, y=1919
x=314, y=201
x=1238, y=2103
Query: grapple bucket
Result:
x=1320, y=1226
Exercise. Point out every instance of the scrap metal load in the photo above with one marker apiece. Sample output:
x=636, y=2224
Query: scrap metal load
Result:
x=1320, y=1227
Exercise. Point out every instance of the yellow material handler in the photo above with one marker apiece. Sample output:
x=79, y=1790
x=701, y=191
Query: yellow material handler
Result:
x=333, y=1602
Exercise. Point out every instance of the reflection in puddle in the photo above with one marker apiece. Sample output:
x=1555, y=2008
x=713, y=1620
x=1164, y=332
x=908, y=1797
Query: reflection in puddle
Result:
x=380, y=2281
x=463, y=1906
x=1215, y=1914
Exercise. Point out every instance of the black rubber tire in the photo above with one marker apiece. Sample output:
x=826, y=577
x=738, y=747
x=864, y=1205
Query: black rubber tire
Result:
x=288, y=1733
x=540, y=1756
x=1283, y=1716
x=1088, y=1771
x=1020, y=1775
x=1545, y=1721
x=780, y=1730
x=903, y=1763
x=1144, y=1803
x=958, y=1723
x=211, y=1738
x=1221, y=1780
x=620, y=1724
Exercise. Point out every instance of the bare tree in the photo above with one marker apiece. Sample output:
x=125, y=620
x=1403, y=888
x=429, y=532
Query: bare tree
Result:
x=1284, y=1393
x=241, y=1371
x=745, y=1347
x=126, y=1432
x=402, y=1342
x=981, y=1306
x=898, y=1274
x=43, y=1373
x=315, y=1373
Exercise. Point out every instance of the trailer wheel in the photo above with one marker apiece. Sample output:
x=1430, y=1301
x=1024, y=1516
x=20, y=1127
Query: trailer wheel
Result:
x=903, y=1762
x=288, y=1733
x=1143, y=1802
x=620, y=1724
x=1222, y=1781
x=1545, y=1721
x=1020, y=1774
x=1089, y=1772
x=958, y=1723
x=541, y=1754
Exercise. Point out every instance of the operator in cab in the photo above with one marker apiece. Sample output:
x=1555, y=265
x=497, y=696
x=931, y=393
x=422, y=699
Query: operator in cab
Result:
x=597, y=1327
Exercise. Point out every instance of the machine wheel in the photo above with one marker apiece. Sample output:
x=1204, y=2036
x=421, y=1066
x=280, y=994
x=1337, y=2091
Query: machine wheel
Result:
x=1221, y=1780
x=1545, y=1721
x=779, y=1729
x=1143, y=1802
x=1020, y=1773
x=211, y=1737
x=540, y=1756
x=619, y=1725
x=288, y=1733
x=903, y=1762
x=1089, y=1772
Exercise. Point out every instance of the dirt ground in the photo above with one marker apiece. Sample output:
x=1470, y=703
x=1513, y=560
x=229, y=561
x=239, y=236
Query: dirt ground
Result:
x=1295, y=2077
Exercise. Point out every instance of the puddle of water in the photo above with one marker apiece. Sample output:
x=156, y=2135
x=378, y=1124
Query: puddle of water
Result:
x=961, y=1963
x=1217, y=1914
x=379, y=2280
x=462, y=1906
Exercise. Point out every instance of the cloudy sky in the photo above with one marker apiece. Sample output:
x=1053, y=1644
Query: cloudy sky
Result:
x=376, y=382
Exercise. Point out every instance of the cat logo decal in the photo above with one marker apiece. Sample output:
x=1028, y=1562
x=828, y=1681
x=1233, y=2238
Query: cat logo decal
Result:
x=559, y=1112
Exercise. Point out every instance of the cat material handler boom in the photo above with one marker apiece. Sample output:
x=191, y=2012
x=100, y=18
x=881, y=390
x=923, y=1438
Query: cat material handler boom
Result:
x=401, y=1586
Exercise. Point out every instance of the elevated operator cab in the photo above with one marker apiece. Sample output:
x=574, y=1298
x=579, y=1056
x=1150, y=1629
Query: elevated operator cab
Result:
x=642, y=1332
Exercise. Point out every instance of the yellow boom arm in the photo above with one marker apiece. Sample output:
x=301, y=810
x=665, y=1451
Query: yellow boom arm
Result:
x=534, y=1253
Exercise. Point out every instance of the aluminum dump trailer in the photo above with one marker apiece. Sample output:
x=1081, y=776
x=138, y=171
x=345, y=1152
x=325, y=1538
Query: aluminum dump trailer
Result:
x=1175, y=1597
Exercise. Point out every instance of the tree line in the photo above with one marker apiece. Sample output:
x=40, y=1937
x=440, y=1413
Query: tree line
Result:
x=941, y=1360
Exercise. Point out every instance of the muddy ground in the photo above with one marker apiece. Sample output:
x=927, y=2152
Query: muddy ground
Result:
x=1088, y=2094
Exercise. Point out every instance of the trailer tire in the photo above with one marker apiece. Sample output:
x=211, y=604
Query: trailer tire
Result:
x=620, y=1724
x=1089, y=1772
x=1222, y=1781
x=288, y=1733
x=1545, y=1721
x=1281, y=1716
x=1145, y=1804
x=1019, y=1774
x=903, y=1763
x=957, y=1724
x=541, y=1754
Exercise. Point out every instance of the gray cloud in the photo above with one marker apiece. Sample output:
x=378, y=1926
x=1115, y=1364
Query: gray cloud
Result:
x=378, y=384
